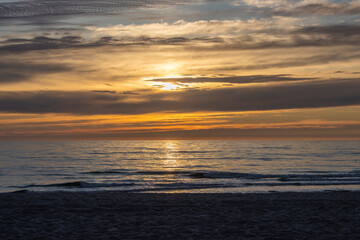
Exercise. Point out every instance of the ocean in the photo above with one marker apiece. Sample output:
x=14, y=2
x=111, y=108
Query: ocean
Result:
x=173, y=166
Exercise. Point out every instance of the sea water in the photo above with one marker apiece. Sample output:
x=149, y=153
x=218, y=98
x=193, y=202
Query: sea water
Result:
x=179, y=166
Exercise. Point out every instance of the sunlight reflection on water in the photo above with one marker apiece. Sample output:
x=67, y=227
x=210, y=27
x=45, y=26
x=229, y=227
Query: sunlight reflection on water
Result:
x=171, y=157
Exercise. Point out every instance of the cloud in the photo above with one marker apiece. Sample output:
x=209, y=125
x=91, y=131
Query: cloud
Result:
x=276, y=96
x=268, y=38
x=233, y=79
x=207, y=35
x=56, y=101
x=334, y=31
x=21, y=9
x=38, y=43
x=182, y=28
x=303, y=7
x=315, y=94
x=41, y=43
x=264, y=3
x=12, y=72
x=323, y=58
x=49, y=8
x=321, y=8
x=336, y=131
x=104, y=91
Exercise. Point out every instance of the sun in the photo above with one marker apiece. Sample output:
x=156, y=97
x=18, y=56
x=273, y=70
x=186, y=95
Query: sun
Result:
x=169, y=86
x=166, y=71
x=165, y=85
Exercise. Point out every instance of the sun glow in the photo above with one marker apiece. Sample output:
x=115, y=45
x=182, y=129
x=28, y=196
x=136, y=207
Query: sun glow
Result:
x=169, y=68
x=169, y=86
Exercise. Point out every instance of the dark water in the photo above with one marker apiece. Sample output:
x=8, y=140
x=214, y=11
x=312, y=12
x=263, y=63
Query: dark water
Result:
x=180, y=166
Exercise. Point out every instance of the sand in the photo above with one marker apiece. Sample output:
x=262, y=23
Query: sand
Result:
x=115, y=215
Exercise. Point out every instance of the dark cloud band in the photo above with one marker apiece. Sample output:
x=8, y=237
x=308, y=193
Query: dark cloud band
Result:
x=319, y=36
x=344, y=8
x=35, y=8
x=233, y=79
x=329, y=93
x=11, y=72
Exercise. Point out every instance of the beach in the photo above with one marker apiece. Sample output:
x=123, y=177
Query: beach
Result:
x=117, y=215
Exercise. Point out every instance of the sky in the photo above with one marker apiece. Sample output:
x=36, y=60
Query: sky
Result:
x=164, y=69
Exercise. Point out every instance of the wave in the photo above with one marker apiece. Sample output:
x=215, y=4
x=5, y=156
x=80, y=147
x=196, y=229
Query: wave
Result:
x=131, y=172
x=187, y=151
x=135, y=187
x=281, y=177
x=163, y=172
x=109, y=171
x=302, y=184
x=260, y=181
x=80, y=184
x=273, y=147
x=178, y=186
x=315, y=176
x=181, y=186
x=109, y=153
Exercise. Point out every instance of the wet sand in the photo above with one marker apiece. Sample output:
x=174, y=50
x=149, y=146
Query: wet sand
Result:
x=115, y=215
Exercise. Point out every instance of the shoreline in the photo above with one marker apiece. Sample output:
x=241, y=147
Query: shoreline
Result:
x=117, y=215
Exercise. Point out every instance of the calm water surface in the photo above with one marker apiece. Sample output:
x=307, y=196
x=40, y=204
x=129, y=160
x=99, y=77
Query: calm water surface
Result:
x=180, y=166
